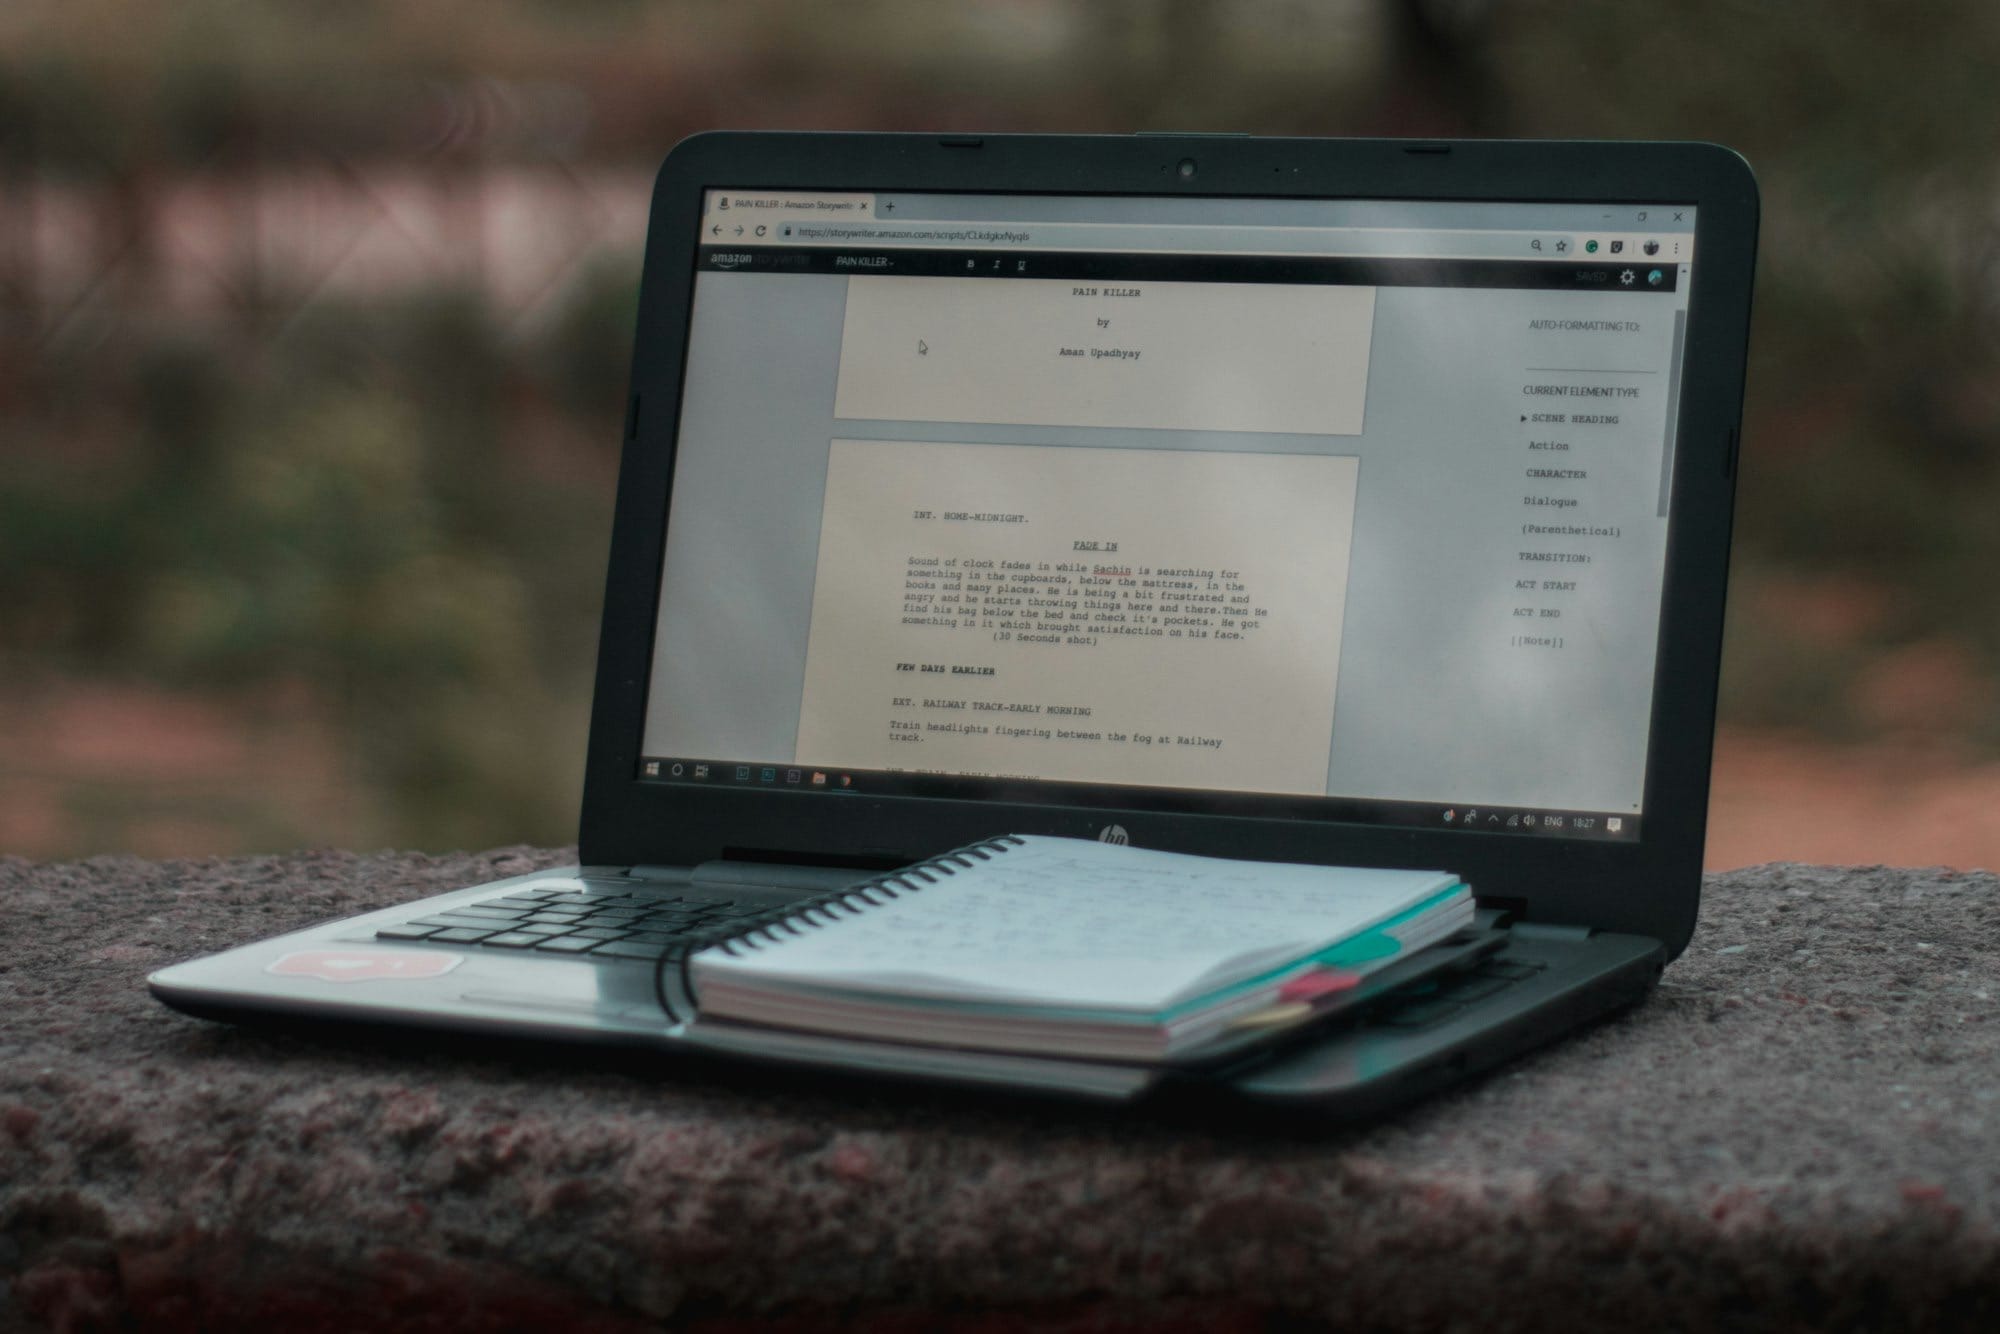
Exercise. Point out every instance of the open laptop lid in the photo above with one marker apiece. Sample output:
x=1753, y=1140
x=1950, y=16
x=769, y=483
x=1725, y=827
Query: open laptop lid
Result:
x=1343, y=501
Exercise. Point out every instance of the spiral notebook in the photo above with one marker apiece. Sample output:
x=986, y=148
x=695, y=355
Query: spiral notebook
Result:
x=1072, y=949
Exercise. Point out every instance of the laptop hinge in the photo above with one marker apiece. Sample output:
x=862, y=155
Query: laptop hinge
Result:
x=1551, y=931
x=673, y=874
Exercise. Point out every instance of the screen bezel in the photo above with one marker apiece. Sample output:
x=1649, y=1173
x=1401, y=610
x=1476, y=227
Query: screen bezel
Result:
x=1649, y=887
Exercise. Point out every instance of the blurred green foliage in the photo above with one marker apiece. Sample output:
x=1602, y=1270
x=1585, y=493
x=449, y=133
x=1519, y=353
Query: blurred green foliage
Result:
x=354, y=503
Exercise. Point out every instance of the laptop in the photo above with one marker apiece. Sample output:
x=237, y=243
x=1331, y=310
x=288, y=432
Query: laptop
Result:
x=1348, y=502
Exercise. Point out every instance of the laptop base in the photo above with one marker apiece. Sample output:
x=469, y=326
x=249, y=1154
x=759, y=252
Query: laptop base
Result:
x=1521, y=988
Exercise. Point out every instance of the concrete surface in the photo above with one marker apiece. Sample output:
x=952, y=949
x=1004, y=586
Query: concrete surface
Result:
x=1801, y=1130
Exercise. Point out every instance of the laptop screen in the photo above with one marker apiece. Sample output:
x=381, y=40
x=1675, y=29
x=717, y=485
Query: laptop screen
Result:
x=1338, y=510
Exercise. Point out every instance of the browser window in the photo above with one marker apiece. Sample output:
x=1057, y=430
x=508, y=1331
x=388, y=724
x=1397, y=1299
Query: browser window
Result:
x=1349, y=509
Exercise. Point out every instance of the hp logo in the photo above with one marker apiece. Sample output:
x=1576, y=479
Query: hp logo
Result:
x=1113, y=833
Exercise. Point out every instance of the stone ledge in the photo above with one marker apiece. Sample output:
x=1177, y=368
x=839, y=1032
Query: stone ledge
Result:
x=1802, y=1128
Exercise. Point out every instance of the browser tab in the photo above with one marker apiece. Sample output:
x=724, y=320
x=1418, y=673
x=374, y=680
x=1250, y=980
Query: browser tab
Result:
x=738, y=215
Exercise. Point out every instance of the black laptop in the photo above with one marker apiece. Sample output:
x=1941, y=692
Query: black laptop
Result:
x=1351, y=502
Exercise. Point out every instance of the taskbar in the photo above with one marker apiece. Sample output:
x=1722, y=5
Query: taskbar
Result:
x=1511, y=821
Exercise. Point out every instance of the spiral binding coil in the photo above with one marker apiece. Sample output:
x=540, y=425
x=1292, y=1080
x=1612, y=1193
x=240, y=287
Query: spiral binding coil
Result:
x=795, y=919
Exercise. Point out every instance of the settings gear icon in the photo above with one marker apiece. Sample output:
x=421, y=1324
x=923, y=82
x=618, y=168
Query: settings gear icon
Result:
x=1626, y=277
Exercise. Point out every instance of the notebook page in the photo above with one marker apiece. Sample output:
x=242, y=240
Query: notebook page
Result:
x=1071, y=922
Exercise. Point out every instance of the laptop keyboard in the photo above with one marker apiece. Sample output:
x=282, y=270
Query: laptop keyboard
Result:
x=602, y=925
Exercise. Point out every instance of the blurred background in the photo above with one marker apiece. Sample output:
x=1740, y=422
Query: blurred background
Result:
x=315, y=316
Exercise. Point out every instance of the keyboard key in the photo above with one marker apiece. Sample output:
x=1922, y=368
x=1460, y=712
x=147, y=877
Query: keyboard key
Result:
x=462, y=919
x=672, y=928
x=628, y=949
x=407, y=931
x=1477, y=987
x=1421, y=1014
x=543, y=928
x=676, y=913
x=600, y=933
x=566, y=944
x=512, y=940
x=460, y=935
x=650, y=937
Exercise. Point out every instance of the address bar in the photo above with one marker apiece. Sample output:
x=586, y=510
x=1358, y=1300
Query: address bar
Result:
x=1191, y=239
